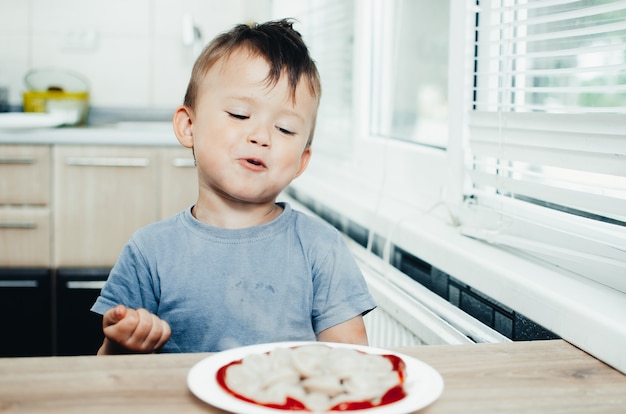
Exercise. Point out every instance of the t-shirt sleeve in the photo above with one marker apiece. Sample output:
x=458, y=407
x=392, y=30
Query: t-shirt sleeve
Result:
x=130, y=283
x=340, y=290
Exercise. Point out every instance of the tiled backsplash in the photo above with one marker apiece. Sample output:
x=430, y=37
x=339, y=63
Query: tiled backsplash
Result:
x=492, y=313
x=131, y=52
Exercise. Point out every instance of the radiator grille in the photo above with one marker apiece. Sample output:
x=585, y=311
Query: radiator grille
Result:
x=409, y=314
x=385, y=331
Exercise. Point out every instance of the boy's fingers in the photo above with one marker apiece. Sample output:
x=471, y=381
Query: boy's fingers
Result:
x=119, y=312
x=148, y=332
x=114, y=315
x=167, y=332
x=158, y=334
x=136, y=330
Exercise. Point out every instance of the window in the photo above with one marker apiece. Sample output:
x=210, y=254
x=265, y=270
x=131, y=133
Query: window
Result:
x=547, y=133
x=327, y=27
x=410, y=71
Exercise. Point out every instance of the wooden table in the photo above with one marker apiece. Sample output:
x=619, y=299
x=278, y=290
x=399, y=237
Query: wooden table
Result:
x=520, y=377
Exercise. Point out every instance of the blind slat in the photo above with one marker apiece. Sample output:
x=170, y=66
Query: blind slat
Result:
x=604, y=133
x=612, y=207
x=599, y=234
x=563, y=34
x=557, y=108
x=582, y=12
x=617, y=89
x=533, y=5
x=610, y=70
x=572, y=51
x=583, y=161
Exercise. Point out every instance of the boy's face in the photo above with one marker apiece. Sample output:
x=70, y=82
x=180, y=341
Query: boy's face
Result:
x=249, y=138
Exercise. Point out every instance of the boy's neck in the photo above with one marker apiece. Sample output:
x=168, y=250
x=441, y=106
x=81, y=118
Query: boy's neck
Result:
x=235, y=215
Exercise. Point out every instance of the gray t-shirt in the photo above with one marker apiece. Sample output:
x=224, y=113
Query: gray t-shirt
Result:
x=218, y=288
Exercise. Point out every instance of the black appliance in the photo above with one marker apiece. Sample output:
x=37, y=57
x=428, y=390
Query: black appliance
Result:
x=78, y=330
x=25, y=312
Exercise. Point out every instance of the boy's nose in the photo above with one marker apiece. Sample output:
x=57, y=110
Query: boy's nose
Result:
x=260, y=136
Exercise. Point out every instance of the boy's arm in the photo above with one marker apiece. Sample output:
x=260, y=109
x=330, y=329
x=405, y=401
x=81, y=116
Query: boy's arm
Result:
x=132, y=331
x=351, y=331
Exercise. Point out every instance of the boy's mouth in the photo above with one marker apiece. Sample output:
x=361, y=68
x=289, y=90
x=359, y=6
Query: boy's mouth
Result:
x=256, y=162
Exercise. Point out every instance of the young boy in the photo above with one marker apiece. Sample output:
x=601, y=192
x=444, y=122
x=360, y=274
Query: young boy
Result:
x=238, y=268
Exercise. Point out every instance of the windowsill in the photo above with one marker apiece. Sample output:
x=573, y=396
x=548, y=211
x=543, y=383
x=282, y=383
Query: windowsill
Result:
x=585, y=313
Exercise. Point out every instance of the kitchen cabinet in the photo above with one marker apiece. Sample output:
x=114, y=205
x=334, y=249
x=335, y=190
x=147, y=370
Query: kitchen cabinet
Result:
x=83, y=202
x=25, y=258
x=25, y=227
x=102, y=195
x=78, y=330
x=179, y=181
x=66, y=211
x=25, y=312
x=25, y=237
x=26, y=175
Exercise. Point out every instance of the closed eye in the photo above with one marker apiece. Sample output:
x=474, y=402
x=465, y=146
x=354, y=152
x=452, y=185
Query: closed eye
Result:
x=237, y=116
x=285, y=131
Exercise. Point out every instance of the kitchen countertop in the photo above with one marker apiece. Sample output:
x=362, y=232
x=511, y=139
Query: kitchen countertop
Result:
x=120, y=133
x=516, y=377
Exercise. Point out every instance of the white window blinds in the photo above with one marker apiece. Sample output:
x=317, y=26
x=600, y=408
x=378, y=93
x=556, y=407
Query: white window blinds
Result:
x=327, y=27
x=330, y=27
x=546, y=161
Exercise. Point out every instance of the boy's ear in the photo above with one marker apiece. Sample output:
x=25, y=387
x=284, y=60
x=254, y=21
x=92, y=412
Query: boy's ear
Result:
x=182, y=123
x=304, y=161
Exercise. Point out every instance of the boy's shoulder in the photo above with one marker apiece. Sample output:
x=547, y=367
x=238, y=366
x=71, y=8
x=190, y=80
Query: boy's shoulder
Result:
x=314, y=225
x=168, y=225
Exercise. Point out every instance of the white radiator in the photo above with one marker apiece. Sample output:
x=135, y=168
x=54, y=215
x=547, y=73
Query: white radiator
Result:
x=407, y=312
x=410, y=314
x=385, y=331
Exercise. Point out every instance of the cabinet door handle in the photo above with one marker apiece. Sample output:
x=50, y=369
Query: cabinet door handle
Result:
x=18, y=225
x=107, y=162
x=18, y=283
x=85, y=284
x=184, y=162
x=17, y=160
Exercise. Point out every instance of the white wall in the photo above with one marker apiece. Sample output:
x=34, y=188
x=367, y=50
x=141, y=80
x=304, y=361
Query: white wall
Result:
x=137, y=58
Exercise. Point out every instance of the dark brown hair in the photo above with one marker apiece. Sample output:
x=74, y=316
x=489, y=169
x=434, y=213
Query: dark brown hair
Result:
x=275, y=41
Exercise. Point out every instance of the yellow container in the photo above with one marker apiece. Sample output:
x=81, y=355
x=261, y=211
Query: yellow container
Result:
x=73, y=105
x=58, y=92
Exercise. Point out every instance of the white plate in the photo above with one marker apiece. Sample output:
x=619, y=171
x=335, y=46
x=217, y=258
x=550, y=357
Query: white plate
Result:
x=423, y=385
x=30, y=120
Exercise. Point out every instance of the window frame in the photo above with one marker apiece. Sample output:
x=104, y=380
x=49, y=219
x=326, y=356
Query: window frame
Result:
x=429, y=130
x=508, y=207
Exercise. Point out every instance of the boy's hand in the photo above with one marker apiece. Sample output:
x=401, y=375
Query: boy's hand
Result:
x=132, y=330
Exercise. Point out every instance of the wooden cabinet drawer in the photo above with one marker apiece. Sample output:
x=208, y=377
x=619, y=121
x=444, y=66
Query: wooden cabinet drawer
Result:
x=25, y=174
x=179, y=181
x=102, y=195
x=25, y=237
